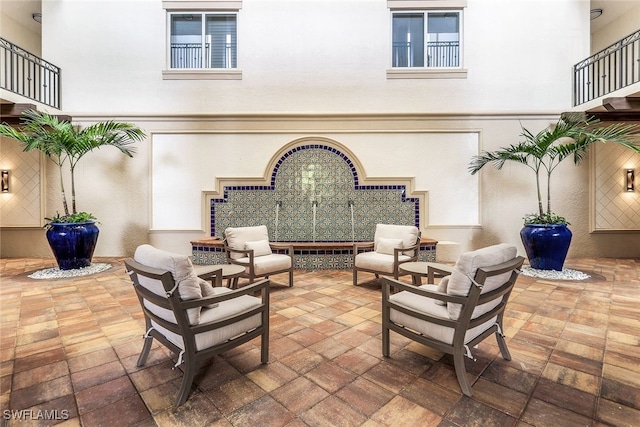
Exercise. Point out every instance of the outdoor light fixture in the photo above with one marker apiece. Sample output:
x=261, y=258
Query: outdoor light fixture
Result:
x=595, y=13
x=37, y=17
x=629, y=174
x=5, y=181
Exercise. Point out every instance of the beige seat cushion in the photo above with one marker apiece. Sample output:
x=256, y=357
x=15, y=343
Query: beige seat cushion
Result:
x=429, y=307
x=224, y=310
x=377, y=261
x=268, y=263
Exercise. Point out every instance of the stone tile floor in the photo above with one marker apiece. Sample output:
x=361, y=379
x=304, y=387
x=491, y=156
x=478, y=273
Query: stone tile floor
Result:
x=68, y=350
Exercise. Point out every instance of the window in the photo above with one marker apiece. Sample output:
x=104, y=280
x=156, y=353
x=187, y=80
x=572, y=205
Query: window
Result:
x=203, y=41
x=426, y=39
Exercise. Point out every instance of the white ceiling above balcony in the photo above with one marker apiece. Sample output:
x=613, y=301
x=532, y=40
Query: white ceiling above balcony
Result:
x=21, y=11
x=611, y=10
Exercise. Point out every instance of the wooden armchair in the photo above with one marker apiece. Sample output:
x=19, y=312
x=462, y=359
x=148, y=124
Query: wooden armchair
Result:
x=250, y=248
x=189, y=316
x=392, y=245
x=464, y=309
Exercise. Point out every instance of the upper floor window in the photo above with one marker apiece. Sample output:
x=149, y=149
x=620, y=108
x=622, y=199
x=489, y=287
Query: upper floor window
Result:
x=203, y=40
x=427, y=39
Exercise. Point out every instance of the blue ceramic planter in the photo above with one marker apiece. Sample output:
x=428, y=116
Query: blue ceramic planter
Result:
x=73, y=243
x=546, y=245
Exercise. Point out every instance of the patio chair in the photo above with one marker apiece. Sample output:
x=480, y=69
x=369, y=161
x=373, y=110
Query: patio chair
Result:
x=464, y=309
x=250, y=247
x=189, y=316
x=392, y=245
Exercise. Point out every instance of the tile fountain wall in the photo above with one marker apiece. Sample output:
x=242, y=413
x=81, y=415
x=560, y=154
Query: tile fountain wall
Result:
x=314, y=195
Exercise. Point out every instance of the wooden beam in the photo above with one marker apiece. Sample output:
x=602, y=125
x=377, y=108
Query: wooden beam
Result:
x=12, y=113
x=617, y=109
x=616, y=116
x=8, y=110
x=627, y=104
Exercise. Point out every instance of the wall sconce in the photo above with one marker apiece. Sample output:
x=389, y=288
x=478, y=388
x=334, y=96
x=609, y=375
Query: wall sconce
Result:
x=630, y=177
x=5, y=181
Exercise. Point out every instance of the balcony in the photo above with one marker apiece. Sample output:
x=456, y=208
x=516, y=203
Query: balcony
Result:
x=611, y=69
x=198, y=56
x=438, y=54
x=28, y=75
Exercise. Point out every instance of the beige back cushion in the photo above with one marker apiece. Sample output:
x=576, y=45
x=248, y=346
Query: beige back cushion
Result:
x=407, y=233
x=190, y=286
x=466, y=267
x=237, y=237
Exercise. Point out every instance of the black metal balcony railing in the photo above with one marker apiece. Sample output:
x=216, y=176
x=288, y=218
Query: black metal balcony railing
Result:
x=443, y=54
x=613, y=68
x=189, y=55
x=439, y=54
x=28, y=75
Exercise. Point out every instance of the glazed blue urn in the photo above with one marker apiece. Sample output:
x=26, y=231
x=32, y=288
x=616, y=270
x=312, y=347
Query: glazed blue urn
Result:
x=73, y=243
x=546, y=245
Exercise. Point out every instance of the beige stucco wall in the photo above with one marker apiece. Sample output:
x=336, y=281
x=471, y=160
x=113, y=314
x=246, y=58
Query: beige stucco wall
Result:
x=323, y=75
x=119, y=190
x=18, y=34
x=623, y=26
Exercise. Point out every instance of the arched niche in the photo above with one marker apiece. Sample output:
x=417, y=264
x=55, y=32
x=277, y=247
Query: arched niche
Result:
x=314, y=189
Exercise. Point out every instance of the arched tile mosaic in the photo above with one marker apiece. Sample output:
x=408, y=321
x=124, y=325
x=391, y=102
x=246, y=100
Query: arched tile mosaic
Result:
x=314, y=195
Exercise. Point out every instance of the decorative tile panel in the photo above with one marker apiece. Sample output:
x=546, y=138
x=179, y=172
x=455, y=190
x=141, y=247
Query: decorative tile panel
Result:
x=614, y=208
x=314, y=195
x=22, y=206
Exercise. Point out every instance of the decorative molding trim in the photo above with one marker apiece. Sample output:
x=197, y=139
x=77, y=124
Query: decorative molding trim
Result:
x=426, y=73
x=215, y=74
x=202, y=4
x=426, y=4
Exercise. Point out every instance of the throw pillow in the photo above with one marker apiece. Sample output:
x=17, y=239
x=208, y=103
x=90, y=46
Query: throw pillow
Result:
x=386, y=246
x=442, y=288
x=260, y=247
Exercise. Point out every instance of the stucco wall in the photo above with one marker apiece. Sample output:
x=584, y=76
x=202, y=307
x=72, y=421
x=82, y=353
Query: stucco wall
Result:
x=626, y=24
x=317, y=68
x=316, y=56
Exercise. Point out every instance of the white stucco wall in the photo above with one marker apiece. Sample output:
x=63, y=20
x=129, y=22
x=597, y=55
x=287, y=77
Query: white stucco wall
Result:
x=426, y=157
x=315, y=56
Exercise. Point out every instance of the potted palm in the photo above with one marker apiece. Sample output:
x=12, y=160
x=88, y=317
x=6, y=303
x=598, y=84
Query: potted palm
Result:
x=545, y=235
x=73, y=235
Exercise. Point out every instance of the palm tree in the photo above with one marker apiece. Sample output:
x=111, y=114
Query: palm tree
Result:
x=571, y=136
x=66, y=144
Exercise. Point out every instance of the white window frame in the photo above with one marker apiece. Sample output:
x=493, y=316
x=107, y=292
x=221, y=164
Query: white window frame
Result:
x=204, y=7
x=424, y=7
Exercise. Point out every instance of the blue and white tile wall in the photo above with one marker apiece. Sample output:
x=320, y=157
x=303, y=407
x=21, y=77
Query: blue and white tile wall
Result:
x=314, y=196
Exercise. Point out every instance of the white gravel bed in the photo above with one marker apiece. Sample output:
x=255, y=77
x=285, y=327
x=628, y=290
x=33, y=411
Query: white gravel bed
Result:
x=56, y=273
x=565, y=274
